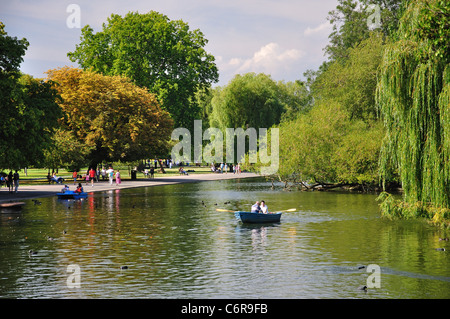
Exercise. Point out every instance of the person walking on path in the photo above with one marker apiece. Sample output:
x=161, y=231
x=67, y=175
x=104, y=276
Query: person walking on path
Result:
x=92, y=176
x=75, y=175
x=152, y=172
x=110, y=173
x=118, y=180
x=16, y=181
x=9, y=181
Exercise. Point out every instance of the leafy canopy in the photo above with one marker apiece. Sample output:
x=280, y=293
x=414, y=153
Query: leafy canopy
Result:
x=353, y=81
x=350, y=23
x=29, y=111
x=119, y=120
x=249, y=100
x=414, y=98
x=325, y=146
x=155, y=52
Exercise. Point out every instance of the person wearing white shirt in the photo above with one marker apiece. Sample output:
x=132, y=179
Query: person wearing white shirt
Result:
x=264, y=208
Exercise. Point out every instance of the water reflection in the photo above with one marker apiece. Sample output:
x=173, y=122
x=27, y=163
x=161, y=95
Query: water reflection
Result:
x=259, y=237
x=175, y=244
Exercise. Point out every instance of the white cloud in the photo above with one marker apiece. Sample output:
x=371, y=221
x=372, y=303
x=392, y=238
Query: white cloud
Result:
x=322, y=29
x=271, y=58
x=235, y=61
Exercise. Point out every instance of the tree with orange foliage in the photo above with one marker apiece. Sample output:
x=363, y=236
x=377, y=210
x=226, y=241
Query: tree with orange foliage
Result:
x=117, y=119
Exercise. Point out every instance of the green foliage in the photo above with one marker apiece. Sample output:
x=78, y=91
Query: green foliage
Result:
x=255, y=100
x=356, y=157
x=296, y=98
x=249, y=100
x=434, y=24
x=36, y=119
x=118, y=120
x=67, y=151
x=413, y=94
x=350, y=26
x=353, y=82
x=29, y=111
x=396, y=208
x=162, y=55
x=325, y=146
x=338, y=141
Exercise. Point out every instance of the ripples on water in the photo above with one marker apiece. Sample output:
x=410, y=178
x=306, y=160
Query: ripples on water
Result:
x=175, y=244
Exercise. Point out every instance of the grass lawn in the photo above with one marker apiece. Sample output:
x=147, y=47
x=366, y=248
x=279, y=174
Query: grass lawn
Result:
x=39, y=175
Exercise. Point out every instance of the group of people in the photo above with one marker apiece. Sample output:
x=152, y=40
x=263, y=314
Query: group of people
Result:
x=79, y=188
x=149, y=174
x=223, y=168
x=94, y=175
x=168, y=163
x=11, y=180
x=260, y=207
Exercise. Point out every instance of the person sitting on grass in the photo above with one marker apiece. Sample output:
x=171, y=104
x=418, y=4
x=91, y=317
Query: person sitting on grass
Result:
x=182, y=171
x=57, y=179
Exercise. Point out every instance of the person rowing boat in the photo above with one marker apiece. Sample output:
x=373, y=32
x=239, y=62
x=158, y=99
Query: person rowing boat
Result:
x=256, y=208
x=260, y=208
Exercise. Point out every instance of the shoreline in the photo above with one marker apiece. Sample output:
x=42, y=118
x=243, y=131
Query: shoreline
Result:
x=38, y=191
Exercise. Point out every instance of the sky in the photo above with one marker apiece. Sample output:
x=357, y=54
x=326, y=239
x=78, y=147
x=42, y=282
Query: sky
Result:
x=282, y=38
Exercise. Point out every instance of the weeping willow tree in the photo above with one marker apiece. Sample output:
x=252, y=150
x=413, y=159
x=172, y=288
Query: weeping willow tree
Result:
x=413, y=95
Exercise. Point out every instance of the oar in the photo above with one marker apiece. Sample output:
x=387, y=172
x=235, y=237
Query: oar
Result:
x=234, y=211
x=226, y=210
x=287, y=210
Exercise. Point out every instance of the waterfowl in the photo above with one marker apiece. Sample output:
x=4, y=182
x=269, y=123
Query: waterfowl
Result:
x=362, y=288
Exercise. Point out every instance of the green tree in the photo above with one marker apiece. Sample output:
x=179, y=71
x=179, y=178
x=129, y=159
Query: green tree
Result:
x=162, y=55
x=353, y=82
x=325, y=148
x=249, y=100
x=296, y=98
x=29, y=111
x=350, y=23
x=36, y=119
x=414, y=98
x=434, y=25
x=67, y=151
x=117, y=119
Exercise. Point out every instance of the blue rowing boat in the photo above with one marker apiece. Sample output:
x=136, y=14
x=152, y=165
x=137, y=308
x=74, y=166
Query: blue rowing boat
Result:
x=249, y=217
x=71, y=195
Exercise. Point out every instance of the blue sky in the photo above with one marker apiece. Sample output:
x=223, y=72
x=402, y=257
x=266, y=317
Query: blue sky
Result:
x=282, y=38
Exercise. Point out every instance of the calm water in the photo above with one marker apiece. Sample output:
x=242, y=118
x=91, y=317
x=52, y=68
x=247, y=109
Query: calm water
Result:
x=175, y=247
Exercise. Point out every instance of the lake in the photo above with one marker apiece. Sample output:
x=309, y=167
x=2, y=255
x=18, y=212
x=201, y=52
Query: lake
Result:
x=170, y=242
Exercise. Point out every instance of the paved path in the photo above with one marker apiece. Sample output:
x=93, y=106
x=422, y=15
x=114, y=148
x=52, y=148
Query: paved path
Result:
x=36, y=191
